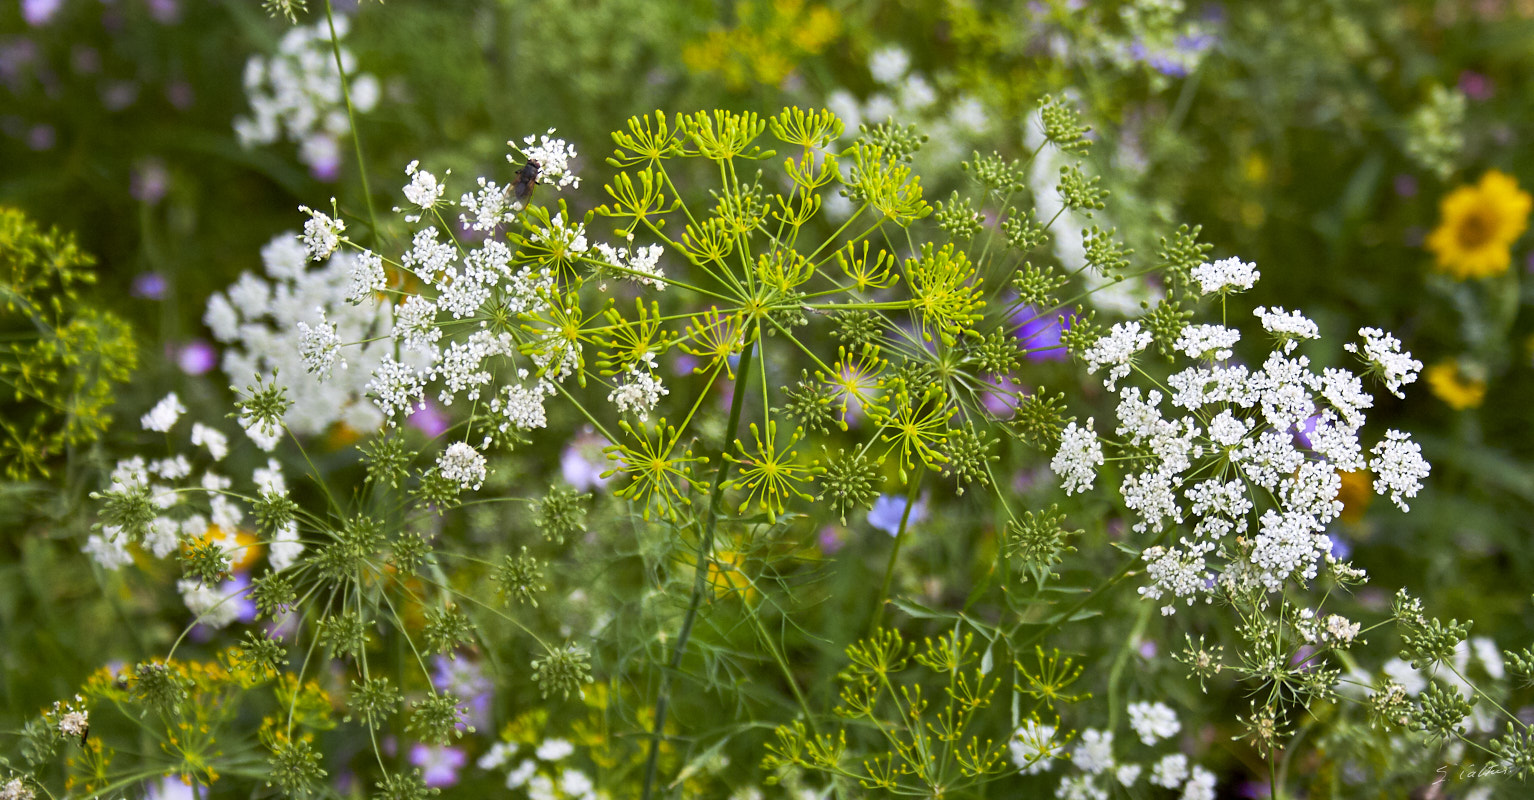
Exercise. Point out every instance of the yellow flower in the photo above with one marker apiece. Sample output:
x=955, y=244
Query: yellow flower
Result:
x=1355, y=495
x=1454, y=386
x=1479, y=225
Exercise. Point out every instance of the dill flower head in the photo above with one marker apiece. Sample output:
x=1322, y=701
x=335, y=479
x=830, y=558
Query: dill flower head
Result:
x=1478, y=227
x=1459, y=387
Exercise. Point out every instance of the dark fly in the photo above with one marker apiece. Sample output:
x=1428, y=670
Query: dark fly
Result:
x=527, y=178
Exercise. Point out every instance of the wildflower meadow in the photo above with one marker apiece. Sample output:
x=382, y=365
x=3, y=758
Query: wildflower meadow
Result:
x=811, y=399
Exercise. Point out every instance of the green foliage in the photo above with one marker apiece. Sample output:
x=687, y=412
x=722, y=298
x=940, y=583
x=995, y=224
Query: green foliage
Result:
x=64, y=359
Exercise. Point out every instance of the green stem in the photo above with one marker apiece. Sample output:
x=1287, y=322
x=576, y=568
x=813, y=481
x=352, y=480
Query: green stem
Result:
x=700, y=576
x=889, y=569
x=351, y=118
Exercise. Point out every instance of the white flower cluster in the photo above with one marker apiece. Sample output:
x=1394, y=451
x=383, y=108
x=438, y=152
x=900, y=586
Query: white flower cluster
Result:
x=1382, y=352
x=1034, y=750
x=164, y=414
x=640, y=391
x=293, y=324
x=296, y=95
x=1118, y=350
x=463, y=465
x=1078, y=458
x=1249, y=458
x=1226, y=276
x=553, y=159
x=642, y=265
x=1153, y=722
x=15, y=789
x=542, y=775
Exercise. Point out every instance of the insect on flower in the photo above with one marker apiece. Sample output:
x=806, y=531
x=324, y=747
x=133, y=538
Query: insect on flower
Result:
x=527, y=178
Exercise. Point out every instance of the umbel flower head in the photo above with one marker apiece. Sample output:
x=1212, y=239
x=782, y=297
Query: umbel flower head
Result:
x=1478, y=226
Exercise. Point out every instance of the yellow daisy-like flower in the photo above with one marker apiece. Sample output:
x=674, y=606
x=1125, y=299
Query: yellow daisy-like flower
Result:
x=1478, y=227
x=1454, y=386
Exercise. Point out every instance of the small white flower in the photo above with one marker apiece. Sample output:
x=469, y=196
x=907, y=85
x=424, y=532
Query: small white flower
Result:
x=1382, y=352
x=1225, y=276
x=463, y=465
x=889, y=64
x=639, y=392
x=1398, y=467
x=109, y=549
x=75, y=724
x=285, y=547
x=216, y=442
x=208, y=604
x=14, y=789
x=1288, y=326
x=518, y=777
x=1153, y=721
x=1078, y=458
x=554, y=750
x=1208, y=342
x=164, y=414
x=171, y=469
x=497, y=756
x=397, y=388
x=1200, y=786
x=1095, y=753
x=318, y=346
x=322, y=234
x=642, y=266
x=423, y=190
x=488, y=208
x=367, y=278
x=1117, y=349
x=553, y=159
x=1170, y=771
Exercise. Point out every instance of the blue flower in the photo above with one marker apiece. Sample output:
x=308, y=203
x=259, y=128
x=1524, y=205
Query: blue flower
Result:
x=889, y=508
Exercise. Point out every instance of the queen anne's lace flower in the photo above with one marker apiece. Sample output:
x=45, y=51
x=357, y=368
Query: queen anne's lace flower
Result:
x=164, y=414
x=1170, y=771
x=1118, y=350
x=1094, y=754
x=423, y=190
x=296, y=325
x=1276, y=438
x=1078, y=458
x=1398, y=467
x=642, y=265
x=322, y=234
x=1287, y=326
x=1210, y=342
x=367, y=278
x=640, y=391
x=109, y=549
x=488, y=208
x=318, y=345
x=1382, y=352
x=1225, y=276
x=297, y=94
x=553, y=158
x=1153, y=722
x=463, y=465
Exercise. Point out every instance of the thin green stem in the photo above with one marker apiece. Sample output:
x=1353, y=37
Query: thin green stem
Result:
x=889, y=569
x=351, y=118
x=700, y=576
